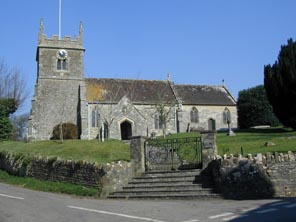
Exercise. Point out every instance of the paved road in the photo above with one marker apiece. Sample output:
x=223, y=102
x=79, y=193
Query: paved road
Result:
x=21, y=205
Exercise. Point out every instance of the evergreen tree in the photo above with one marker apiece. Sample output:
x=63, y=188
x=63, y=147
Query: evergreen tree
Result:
x=7, y=107
x=280, y=84
x=254, y=109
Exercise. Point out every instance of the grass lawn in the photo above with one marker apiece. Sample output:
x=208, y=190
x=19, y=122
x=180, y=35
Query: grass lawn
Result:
x=90, y=150
x=253, y=141
x=46, y=186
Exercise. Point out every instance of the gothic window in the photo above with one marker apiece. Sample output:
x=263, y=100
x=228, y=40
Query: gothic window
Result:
x=226, y=116
x=194, y=117
x=62, y=64
x=95, y=120
x=158, y=123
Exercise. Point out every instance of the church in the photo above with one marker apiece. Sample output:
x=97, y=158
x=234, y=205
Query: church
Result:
x=117, y=108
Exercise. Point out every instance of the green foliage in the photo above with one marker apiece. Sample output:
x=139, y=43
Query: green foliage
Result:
x=7, y=107
x=5, y=128
x=254, y=109
x=69, y=131
x=280, y=84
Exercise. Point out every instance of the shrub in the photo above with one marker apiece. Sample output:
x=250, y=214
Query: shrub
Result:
x=254, y=109
x=69, y=131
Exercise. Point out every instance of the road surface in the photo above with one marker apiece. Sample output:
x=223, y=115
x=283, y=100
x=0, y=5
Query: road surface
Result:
x=22, y=205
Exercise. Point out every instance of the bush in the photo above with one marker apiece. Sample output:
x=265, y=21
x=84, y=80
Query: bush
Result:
x=69, y=131
x=254, y=109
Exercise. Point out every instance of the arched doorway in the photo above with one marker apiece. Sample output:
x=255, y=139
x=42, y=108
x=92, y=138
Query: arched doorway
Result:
x=126, y=130
x=212, y=124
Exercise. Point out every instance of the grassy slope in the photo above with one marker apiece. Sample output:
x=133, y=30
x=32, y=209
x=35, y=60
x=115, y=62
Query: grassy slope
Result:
x=92, y=151
x=47, y=186
x=253, y=141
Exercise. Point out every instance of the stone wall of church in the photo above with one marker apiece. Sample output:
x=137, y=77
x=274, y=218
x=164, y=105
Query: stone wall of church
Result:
x=55, y=101
x=141, y=118
x=205, y=113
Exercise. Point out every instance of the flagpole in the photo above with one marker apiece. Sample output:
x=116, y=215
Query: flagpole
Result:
x=60, y=19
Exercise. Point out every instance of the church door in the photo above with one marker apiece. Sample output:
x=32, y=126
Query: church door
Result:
x=126, y=130
x=212, y=124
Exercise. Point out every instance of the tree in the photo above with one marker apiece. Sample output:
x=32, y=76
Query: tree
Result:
x=19, y=124
x=280, y=84
x=163, y=113
x=7, y=106
x=12, y=96
x=12, y=85
x=254, y=109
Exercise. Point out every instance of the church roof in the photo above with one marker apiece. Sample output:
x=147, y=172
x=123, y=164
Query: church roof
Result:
x=138, y=91
x=106, y=90
x=204, y=95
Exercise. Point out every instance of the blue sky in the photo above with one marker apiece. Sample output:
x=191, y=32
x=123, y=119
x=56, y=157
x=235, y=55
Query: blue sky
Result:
x=198, y=42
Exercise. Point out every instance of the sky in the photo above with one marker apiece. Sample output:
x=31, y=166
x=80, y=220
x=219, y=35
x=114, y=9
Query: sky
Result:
x=197, y=42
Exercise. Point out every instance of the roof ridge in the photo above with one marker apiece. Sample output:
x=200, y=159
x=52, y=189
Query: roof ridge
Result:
x=220, y=86
x=126, y=79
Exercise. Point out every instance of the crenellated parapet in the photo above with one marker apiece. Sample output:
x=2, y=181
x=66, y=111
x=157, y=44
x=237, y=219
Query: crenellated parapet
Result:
x=55, y=42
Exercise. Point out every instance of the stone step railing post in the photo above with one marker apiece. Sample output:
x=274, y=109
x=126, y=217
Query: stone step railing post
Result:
x=209, y=147
x=138, y=153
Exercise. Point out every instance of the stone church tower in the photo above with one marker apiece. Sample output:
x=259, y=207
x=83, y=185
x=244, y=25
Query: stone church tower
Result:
x=60, y=84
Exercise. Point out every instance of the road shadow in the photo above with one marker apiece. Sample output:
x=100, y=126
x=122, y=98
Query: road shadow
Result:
x=283, y=210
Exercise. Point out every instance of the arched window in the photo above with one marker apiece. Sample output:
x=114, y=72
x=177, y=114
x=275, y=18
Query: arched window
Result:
x=62, y=64
x=158, y=123
x=194, y=117
x=226, y=116
x=95, y=120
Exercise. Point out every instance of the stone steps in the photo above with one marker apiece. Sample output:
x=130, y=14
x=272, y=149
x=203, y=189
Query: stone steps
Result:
x=168, y=185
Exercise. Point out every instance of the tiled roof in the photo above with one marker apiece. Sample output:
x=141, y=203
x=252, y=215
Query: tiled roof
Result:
x=138, y=91
x=204, y=95
x=153, y=91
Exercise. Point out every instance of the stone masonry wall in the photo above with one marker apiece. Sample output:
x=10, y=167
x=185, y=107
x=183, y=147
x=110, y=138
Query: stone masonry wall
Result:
x=260, y=176
x=205, y=113
x=107, y=177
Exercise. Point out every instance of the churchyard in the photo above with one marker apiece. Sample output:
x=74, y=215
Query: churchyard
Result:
x=251, y=141
x=244, y=142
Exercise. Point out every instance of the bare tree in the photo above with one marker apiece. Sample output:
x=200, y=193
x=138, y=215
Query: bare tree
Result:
x=163, y=110
x=19, y=126
x=12, y=85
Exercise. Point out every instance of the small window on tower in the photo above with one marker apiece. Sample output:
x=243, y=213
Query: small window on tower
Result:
x=62, y=64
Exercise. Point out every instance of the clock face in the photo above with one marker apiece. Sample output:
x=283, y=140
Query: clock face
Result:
x=62, y=54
